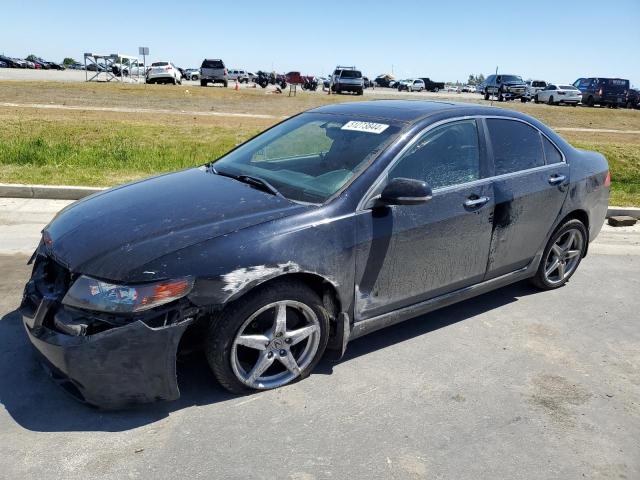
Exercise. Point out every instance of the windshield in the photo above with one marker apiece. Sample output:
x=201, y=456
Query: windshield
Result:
x=160, y=64
x=511, y=78
x=311, y=156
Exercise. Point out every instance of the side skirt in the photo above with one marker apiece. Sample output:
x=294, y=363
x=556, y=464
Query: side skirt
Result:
x=387, y=319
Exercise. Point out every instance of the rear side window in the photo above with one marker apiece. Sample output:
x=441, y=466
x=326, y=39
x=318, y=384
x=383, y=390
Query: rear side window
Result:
x=551, y=153
x=212, y=64
x=516, y=146
x=447, y=155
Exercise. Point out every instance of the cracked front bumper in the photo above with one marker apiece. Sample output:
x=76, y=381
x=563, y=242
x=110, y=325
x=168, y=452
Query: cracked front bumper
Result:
x=112, y=369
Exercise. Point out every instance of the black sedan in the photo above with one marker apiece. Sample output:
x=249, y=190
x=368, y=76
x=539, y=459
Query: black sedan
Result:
x=334, y=223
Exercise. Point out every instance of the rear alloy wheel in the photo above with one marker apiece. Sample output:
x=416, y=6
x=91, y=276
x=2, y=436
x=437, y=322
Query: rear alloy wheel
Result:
x=270, y=339
x=550, y=101
x=561, y=256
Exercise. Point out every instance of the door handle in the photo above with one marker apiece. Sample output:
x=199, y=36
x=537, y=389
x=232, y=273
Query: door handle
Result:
x=475, y=202
x=557, y=179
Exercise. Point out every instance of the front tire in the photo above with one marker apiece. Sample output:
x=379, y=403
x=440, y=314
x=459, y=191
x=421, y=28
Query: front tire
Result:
x=273, y=337
x=561, y=256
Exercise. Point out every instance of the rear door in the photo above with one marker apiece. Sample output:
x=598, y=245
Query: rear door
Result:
x=410, y=253
x=529, y=186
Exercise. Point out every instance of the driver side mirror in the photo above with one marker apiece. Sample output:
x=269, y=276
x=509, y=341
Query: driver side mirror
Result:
x=405, y=191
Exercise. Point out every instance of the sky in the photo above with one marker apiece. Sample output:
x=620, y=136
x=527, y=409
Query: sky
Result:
x=557, y=41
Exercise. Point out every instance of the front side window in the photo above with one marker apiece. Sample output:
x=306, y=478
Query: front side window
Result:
x=516, y=145
x=311, y=156
x=447, y=155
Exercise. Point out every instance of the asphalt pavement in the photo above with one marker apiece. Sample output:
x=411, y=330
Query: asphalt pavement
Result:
x=514, y=384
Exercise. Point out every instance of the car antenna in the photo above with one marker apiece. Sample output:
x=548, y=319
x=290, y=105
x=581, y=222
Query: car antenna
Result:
x=496, y=81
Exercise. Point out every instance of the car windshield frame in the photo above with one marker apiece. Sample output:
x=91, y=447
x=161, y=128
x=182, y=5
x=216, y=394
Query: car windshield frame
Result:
x=240, y=162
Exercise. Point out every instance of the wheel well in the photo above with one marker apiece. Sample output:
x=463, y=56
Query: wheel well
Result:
x=578, y=215
x=325, y=290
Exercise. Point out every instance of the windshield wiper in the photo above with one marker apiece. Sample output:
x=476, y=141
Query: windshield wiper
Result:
x=251, y=180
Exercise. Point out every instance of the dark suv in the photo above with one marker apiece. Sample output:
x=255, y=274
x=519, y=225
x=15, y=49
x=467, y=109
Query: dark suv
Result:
x=611, y=92
x=505, y=87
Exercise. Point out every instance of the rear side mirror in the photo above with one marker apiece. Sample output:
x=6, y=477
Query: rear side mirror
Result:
x=405, y=191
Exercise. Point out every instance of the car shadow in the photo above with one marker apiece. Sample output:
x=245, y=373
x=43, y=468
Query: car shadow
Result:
x=36, y=403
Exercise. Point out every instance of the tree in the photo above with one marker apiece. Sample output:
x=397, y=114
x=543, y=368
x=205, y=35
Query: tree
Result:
x=480, y=78
x=472, y=79
x=68, y=61
x=32, y=58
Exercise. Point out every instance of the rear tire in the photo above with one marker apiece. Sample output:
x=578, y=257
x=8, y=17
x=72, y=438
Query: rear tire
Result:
x=547, y=277
x=591, y=102
x=225, y=84
x=203, y=83
x=535, y=99
x=233, y=361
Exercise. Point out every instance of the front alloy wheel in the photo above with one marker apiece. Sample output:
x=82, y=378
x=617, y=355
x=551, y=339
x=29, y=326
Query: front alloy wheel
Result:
x=275, y=344
x=270, y=337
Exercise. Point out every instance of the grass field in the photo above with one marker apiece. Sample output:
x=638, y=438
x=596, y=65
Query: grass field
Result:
x=76, y=147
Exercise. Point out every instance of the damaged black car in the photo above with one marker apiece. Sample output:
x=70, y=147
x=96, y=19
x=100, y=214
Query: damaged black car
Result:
x=332, y=224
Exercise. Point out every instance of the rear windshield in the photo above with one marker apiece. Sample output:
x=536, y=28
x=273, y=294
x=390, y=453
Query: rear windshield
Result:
x=615, y=83
x=567, y=87
x=351, y=74
x=160, y=64
x=212, y=64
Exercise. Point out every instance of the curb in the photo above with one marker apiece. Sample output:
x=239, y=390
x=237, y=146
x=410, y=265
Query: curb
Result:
x=63, y=192
x=623, y=211
x=51, y=192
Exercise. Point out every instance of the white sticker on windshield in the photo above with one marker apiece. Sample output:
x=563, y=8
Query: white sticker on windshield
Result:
x=368, y=127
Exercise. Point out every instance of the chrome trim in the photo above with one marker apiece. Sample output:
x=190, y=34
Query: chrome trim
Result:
x=366, y=199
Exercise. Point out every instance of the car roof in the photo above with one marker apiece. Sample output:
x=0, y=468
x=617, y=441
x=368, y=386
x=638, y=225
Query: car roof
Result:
x=412, y=111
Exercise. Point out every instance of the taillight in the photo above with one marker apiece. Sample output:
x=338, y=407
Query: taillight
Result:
x=225, y=72
x=607, y=180
x=600, y=92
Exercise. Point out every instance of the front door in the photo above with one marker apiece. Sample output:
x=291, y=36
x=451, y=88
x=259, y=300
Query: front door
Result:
x=410, y=253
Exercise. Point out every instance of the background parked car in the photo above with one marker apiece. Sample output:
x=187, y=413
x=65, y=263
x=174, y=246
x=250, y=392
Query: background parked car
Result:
x=3, y=64
x=164, y=72
x=241, y=75
x=383, y=80
x=411, y=85
x=533, y=87
x=603, y=91
x=213, y=71
x=452, y=88
x=347, y=79
x=558, y=94
x=633, y=98
x=432, y=86
x=505, y=87
x=192, y=74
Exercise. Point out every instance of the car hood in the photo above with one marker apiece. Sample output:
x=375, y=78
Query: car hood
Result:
x=111, y=233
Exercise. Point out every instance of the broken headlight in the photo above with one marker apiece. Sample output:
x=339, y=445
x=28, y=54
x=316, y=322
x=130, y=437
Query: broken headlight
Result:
x=92, y=294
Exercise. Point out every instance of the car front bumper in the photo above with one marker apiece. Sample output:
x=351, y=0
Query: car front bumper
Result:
x=112, y=369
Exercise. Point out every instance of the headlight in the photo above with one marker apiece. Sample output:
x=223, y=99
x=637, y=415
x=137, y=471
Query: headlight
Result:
x=92, y=294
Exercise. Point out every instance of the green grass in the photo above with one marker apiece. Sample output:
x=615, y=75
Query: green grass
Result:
x=624, y=164
x=104, y=153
